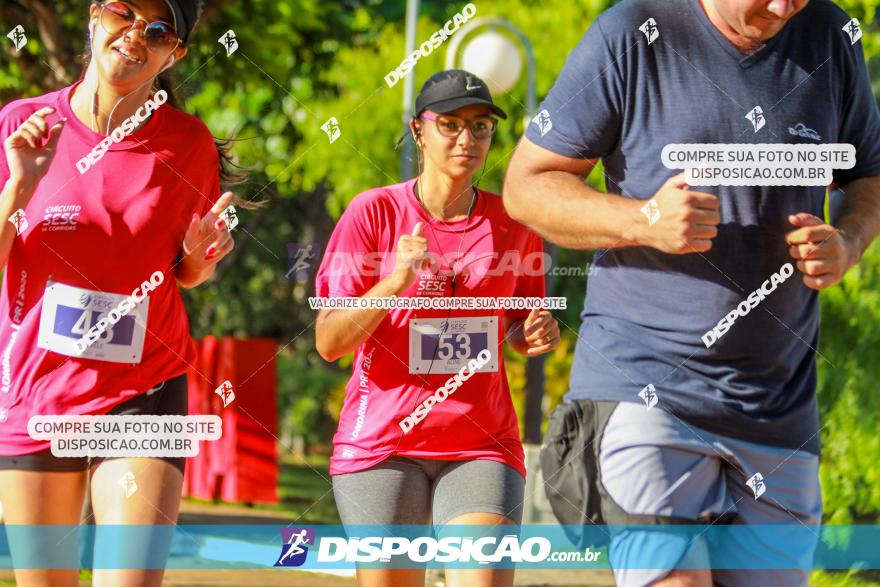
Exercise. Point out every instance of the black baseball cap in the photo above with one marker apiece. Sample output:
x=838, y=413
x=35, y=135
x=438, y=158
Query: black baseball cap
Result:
x=186, y=15
x=452, y=89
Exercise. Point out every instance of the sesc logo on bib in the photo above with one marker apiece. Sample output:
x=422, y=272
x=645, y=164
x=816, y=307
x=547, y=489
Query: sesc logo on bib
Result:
x=69, y=313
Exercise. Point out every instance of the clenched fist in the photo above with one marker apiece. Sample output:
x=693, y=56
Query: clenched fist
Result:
x=822, y=252
x=412, y=256
x=687, y=222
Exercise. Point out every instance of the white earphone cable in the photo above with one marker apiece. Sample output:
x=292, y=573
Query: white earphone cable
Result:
x=95, y=109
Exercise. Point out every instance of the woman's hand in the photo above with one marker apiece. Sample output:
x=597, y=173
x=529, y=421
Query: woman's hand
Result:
x=412, y=255
x=537, y=334
x=27, y=156
x=207, y=240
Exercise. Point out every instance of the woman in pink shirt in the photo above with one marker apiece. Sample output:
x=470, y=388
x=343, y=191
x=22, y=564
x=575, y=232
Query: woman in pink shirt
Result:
x=114, y=199
x=427, y=432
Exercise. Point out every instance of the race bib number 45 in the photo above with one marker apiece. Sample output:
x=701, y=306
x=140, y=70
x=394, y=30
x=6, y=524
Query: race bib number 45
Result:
x=441, y=345
x=69, y=317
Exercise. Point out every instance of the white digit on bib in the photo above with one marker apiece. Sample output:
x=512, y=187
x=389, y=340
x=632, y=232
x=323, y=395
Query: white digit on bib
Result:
x=446, y=349
x=465, y=349
x=82, y=324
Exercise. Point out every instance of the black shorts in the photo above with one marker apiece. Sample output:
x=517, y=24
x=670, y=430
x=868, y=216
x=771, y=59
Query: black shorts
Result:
x=169, y=399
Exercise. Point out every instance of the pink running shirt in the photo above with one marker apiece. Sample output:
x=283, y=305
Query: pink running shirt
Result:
x=496, y=257
x=107, y=231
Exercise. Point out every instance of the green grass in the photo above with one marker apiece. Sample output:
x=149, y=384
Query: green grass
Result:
x=841, y=579
x=304, y=489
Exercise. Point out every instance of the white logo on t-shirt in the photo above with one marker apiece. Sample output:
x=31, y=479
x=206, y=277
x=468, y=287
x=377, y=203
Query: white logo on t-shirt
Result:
x=63, y=217
x=800, y=130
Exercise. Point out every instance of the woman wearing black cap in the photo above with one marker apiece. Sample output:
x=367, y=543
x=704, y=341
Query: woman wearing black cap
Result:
x=427, y=432
x=117, y=200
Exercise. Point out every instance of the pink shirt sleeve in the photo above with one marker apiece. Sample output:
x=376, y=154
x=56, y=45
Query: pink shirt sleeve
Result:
x=530, y=282
x=346, y=270
x=12, y=116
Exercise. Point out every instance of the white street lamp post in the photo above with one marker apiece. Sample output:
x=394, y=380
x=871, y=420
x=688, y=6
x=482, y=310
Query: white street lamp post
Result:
x=412, y=18
x=494, y=58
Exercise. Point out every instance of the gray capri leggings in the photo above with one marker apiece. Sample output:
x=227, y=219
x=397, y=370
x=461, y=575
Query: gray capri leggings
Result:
x=401, y=490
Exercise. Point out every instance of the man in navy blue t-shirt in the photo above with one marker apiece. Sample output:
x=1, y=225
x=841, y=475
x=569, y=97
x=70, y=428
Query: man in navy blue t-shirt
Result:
x=704, y=301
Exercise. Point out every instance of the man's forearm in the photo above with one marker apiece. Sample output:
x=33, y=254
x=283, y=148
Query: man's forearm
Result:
x=564, y=210
x=859, y=216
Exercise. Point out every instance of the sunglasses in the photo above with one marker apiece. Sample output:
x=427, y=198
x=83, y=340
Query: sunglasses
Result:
x=449, y=126
x=117, y=17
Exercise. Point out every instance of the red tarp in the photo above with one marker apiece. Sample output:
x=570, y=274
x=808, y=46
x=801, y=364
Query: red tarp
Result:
x=243, y=464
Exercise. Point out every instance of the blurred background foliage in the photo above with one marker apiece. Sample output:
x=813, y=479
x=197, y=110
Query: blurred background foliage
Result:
x=302, y=61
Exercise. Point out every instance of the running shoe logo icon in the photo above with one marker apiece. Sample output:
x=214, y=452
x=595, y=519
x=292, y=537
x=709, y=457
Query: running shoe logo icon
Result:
x=854, y=30
x=230, y=217
x=542, y=119
x=756, y=117
x=225, y=392
x=229, y=42
x=331, y=127
x=652, y=211
x=756, y=482
x=128, y=484
x=19, y=221
x=649, y=394
x=296, y=546
x=649, y=28
x=18, y=38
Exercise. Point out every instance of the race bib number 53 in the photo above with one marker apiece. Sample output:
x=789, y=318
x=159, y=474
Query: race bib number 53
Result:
x=441, y=345
x=70, y=316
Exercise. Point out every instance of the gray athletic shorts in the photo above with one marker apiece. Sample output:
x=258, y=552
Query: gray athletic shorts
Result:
x=651, y=462
x=402, y=490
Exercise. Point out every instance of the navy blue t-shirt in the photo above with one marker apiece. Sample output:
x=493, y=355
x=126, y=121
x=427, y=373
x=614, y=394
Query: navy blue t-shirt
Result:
x=622, y=99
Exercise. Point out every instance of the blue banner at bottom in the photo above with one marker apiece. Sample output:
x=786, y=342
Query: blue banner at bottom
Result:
x=764, y=547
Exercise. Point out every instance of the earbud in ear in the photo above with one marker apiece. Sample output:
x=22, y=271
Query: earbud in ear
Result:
x=171, y=61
